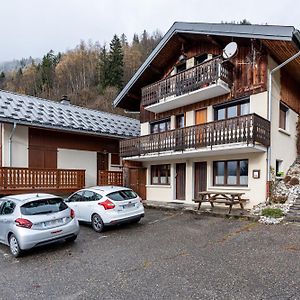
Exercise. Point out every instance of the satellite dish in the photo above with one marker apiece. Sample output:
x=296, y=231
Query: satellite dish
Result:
x=230, y=50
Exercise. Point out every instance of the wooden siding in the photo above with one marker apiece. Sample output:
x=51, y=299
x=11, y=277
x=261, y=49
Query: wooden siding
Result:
x=43, y=145
x=248, y=129
x=20, y=180
x=247, y=79
x=290, y=91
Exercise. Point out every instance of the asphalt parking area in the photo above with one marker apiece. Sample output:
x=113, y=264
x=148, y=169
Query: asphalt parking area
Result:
x=169, y=255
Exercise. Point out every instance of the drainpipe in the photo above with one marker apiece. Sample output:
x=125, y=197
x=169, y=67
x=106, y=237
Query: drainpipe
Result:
x=10, y=143
x=270, y=108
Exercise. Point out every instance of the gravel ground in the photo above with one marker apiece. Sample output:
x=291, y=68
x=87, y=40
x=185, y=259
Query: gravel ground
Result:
x=169, y=255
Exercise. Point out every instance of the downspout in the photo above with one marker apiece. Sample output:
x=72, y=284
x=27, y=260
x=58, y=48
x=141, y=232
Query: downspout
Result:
x=270, y=108
x=10, y=143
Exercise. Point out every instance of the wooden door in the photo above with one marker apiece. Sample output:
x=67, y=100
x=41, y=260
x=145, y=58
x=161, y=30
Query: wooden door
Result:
x=102, y=161
x=180, y=181
x=201, y=116
x=200, y=180
x=137, y=181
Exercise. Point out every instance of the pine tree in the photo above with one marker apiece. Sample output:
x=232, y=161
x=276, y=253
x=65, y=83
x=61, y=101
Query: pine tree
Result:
x=103, y=70
x=115, y=62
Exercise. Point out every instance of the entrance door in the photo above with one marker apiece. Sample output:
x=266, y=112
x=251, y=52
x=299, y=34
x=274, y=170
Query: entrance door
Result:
x=180, y=181
x=137, y=181
x=200, y=178
x=200, y=118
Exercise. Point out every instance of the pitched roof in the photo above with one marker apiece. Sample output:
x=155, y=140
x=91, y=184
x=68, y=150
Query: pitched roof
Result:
x=32, y=111
x=266, y=32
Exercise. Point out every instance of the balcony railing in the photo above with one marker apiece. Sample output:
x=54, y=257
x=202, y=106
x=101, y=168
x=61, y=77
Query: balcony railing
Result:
x=110, y=178
x=249, y=129
x=16, y=180
x=189, y=80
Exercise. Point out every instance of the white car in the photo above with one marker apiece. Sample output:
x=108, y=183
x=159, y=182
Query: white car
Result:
x=106, y=205
x=32, y=220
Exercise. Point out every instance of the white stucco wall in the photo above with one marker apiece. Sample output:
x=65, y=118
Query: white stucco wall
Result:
x=259, y=104
x=255, y=191
x=78, y=159
x=283, y=142
x=19, y=146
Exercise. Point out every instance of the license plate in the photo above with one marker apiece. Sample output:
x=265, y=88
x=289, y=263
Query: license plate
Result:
x=53, y=222
x=129, y=205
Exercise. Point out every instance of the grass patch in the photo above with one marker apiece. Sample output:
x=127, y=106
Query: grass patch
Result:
x=272, y=212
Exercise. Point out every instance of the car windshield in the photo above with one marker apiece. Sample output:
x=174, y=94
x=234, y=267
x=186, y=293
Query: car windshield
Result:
x=122, y=195
x=45, y=206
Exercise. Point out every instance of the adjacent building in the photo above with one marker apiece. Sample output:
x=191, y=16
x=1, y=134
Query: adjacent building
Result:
x=206, y=122
x=56, y=146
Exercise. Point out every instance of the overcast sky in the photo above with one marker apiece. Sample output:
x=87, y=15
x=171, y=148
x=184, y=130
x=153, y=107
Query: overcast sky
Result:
x=33, y=27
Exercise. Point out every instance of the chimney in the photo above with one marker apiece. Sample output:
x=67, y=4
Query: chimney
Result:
x=65, y=100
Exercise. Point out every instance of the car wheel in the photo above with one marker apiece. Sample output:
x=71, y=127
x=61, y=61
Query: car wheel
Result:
x=97, y=223
x=71, y=239
x=14, y=246
x=136, y=220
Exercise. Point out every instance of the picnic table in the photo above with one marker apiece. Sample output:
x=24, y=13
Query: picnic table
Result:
x=228, y=198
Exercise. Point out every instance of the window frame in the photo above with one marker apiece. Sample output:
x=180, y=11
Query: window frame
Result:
x=160, y=168
x=167, y=123
x=238, y=172
x=238, y=104
x=283, y=112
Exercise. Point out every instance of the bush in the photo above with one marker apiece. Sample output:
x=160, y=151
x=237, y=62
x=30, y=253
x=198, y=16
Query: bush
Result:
x=279, y=199
x=294, y=181
x=272, y=212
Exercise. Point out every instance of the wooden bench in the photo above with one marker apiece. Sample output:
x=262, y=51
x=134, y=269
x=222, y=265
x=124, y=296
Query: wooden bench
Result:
x=228, y=198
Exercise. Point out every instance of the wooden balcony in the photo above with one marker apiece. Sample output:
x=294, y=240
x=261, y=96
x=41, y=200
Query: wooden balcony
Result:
x=110, y=178
x=28, y=180
x=207, y=80
x=249, y=129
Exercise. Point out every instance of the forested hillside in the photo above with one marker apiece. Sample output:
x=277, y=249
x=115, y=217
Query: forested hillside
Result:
x=91, y=75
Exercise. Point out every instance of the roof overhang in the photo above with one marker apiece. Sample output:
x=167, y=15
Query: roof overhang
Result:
x=262, y=32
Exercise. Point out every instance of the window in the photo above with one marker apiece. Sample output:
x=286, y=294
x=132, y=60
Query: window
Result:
x=76, y=197
x=160, y=126
x=278, y=168
x=7, y=208
x=180, y=121
x=45, y=206
x=122, y=195
x=181, y=67
x=282, y=116
x=231, y=173
x=160, y=174
x=115, y=159
x=91, y=196
x=232, y=110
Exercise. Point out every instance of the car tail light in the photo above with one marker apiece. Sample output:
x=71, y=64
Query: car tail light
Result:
x=23, y=223
x=72, y=213
x=107, y=204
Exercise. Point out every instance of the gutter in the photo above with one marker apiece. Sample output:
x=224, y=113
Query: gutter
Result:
x=10, y=143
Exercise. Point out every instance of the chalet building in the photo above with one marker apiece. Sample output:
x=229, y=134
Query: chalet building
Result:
x=206, y=124
x=56, y=146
